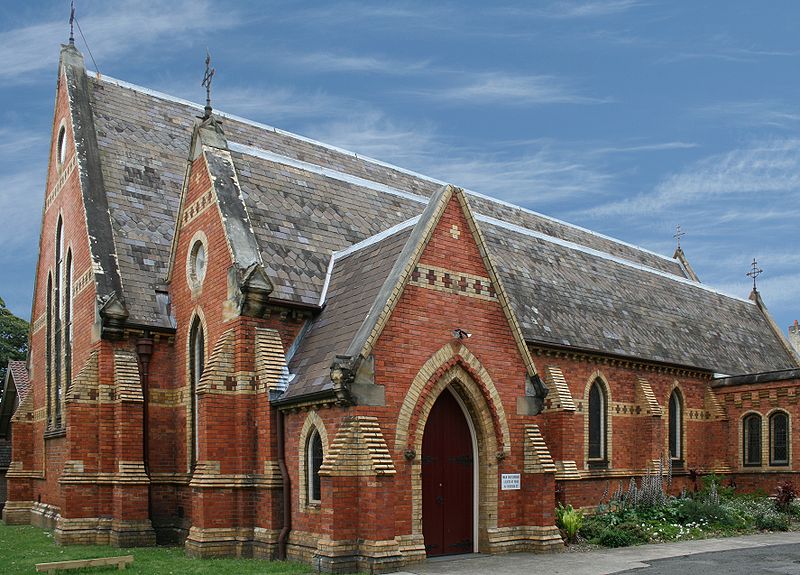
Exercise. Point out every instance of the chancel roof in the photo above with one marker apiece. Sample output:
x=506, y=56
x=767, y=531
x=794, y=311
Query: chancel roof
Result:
x=568, y=286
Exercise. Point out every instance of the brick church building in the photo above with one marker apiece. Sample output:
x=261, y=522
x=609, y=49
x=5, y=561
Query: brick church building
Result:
x=256, y=344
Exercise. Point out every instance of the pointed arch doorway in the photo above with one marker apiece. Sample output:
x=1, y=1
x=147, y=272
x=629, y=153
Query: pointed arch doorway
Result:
x=449, y=478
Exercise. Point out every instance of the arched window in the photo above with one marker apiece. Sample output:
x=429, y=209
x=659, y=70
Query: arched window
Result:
x=57, y=313
x=597, y=423
x=315, y=455
x=68, y=319
x=48, y=347
x=751, y=440
x=779, y=438
x=675, y=425
x=196, y=366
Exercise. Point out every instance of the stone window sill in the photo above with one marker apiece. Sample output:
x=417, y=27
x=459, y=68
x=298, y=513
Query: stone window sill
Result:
x=54, y=433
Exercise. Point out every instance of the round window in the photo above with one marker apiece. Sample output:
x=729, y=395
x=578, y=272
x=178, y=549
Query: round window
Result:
x=197, y=263
x=61, y=146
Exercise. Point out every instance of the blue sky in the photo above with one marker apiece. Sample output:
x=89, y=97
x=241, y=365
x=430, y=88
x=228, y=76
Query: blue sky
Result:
x=624, y=116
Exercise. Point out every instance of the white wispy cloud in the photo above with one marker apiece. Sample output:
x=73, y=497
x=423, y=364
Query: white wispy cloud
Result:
x=747, y=177
x=329, y=62
x=21, y=196
x=591, y=9
x=273, y=104
x=770, y=113
x=655, y=147
x=112, y=29
x=536, y=172
x=507, y=89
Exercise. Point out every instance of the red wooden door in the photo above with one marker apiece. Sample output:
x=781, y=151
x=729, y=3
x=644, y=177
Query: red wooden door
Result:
x=447, y=480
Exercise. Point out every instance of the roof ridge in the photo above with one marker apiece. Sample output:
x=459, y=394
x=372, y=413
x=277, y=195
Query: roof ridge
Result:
x=604, y=255
x=366, y=242
x=379, y=187
x=169, y=97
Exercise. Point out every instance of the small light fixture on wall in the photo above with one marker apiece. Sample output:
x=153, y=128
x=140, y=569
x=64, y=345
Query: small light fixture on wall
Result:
x=459, y=333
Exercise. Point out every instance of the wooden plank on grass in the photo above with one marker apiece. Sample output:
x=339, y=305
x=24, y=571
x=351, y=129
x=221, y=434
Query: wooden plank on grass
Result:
x=51, y=568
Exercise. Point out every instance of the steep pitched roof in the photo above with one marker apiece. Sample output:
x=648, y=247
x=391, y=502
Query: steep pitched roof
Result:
x=357, y=276
x=568, y=286
x=16, y=388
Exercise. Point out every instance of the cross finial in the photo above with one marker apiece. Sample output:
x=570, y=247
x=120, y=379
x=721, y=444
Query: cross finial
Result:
x=207, y=78
x=754, y=273
x=678, y=235
x=72, y=23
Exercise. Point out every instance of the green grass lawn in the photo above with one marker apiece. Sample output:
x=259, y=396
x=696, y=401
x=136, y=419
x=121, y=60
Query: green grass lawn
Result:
x=21, y=547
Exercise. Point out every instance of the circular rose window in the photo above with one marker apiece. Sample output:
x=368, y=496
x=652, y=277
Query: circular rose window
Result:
x=197, y=263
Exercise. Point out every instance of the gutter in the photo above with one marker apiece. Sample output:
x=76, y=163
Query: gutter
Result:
x=283, y=536
x=144, y=349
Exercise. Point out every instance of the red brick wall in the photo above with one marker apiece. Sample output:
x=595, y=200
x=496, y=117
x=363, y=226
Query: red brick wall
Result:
x=68, y=204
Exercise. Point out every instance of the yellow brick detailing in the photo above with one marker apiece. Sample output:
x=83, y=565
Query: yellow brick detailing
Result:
x=646, y=398
x=449, y=281
x=712, y=405
x=128, y=472
x=436, y=361
x=313, y=422
x=611, y=408
x=169, y=397
x=84, y=386
x=567, y=470
x=39, y=322
x=83, y=282
x=464, y=386
x=207, y=474
x=126, y=376
x=198, y=206
x=17, y=470
x=537, y=456
x=271, y=369
x=405, y=276
x=66, y=172
x=358, y=450
x=220, y=375
x=25, y=411
x=559, y=396
x=524, y=538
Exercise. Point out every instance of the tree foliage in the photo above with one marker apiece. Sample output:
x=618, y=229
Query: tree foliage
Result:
x=13, y=338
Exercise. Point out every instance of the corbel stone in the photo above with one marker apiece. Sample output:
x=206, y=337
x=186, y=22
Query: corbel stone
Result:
x=113, y=315
x=343, y=374
x=532, y=402
x=255, y=288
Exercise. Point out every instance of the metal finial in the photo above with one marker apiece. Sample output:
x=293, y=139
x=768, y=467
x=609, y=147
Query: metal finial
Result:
x=754, y=273
x=207, y=78
x=72, y=22
x=678, y=235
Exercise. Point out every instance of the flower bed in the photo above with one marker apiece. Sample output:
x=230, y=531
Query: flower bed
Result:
x=645, y=513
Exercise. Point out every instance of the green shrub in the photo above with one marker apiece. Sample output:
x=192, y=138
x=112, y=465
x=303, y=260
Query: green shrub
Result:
x=622, y=535
x=570, y=520
x=592, y=529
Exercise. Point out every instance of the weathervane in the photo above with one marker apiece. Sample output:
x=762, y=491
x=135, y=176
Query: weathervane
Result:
x=209, y=75
x=754, y=273
x=72, y=22
x=678, y=235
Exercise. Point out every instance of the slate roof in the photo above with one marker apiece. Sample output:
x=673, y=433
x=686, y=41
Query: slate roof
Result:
x=356, y=279
x=305, y=200
x=16, y=388
x=19, y=372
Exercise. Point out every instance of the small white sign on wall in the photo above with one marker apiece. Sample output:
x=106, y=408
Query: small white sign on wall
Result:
x=509, y=481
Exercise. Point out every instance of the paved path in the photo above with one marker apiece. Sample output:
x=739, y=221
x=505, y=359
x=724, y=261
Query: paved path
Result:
x=618, y=560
